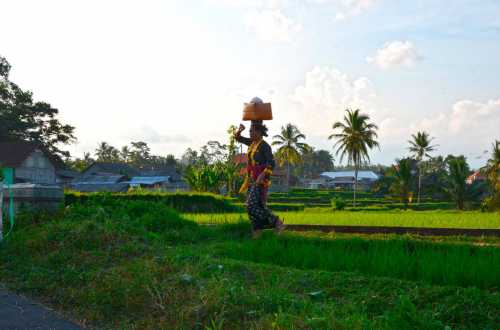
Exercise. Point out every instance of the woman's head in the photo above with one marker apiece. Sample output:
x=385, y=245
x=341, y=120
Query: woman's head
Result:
x=257, y=130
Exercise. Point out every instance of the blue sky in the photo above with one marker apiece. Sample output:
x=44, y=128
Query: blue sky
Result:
x=175, y=73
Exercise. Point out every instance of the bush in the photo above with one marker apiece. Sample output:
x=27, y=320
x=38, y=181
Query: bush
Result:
x=279, y=207
x=491, y=203
x=401, y=206
x=181, y=202
x=338, y=203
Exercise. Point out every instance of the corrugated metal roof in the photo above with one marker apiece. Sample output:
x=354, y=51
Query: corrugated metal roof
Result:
x=148, y=180
x=95, y=187
x=113, y=168
x=68, y=173
x=350, y=174
x=100, y=179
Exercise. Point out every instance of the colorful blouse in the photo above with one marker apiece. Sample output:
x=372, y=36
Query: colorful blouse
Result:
x=260, y=159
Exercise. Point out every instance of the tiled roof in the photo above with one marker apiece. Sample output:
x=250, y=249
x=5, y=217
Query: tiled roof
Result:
x=114, y=168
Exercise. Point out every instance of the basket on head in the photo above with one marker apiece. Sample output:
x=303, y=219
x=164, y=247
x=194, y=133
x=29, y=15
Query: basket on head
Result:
x=257, y=110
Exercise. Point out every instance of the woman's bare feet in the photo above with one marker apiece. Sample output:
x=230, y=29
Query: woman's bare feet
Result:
x=279, y=227
x=256, y=234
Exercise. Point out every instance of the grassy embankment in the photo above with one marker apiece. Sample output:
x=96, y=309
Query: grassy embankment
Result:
x=138, y=264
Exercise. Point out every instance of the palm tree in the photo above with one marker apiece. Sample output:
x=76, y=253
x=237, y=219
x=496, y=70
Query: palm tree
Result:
x=290, y=149
x=402, y=173
x=355, y=139
x=420, y=146
x=458, y=171
x=492, y=172
x=107, y=153
x=492, y=168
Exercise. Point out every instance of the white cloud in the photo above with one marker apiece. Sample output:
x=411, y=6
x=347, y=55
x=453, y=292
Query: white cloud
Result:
x=328, y=87
x=347, y=8
x=325, y=95
x=270, y=4
x=354, y=7
x=396, y=54
x=266, y=18
x=272, y=25
x=468, y=115
x=150, y=135
x=467, y=121
x=468, y=128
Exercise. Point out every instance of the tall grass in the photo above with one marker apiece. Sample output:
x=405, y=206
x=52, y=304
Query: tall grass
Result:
x=444, y=263
x=434, y=219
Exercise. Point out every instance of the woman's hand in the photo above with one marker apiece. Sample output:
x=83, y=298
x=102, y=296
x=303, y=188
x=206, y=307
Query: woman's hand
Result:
x=241, y=129
x=261, y=178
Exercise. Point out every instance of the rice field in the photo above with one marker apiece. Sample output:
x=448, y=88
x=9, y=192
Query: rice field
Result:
x=432, y=219
x=396, y=257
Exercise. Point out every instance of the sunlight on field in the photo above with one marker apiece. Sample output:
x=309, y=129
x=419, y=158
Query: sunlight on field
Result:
x=444, y=219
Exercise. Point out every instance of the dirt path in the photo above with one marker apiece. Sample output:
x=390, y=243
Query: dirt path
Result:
x=19, y=313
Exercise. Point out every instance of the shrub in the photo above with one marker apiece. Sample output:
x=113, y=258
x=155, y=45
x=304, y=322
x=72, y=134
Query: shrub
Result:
x=491, y=203
x=181, y=202
x=338, y=203
x=280, y=207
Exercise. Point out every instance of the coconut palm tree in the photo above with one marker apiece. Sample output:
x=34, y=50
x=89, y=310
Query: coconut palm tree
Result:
x=107, y=153
x=458, y=171
x=492, y=172
x=492, y=168
x=290, y=148
x=356, y=137
x=420, y=147
x=403, y=179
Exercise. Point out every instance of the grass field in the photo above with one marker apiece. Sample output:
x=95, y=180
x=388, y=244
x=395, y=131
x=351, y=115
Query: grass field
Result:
x=445, y=219
x=140, y=265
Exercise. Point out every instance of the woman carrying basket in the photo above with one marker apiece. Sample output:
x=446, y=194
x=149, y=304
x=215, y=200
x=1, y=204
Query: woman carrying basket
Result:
x=259, y=170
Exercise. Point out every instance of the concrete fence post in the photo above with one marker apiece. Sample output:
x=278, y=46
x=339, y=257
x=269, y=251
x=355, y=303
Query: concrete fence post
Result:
x=1, y=211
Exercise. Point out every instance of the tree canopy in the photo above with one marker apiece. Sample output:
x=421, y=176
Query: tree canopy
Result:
x=24, y=119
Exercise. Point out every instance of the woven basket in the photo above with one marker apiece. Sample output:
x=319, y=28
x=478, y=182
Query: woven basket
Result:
x=257, y=111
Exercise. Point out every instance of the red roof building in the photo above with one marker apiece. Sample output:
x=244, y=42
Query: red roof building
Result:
x=476, y=176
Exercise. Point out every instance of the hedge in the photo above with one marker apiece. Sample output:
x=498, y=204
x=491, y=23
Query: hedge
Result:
x=182, y=202
x=401, y=206
x=280, y=207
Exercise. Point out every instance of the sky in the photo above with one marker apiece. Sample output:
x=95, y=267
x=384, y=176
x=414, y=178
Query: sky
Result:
x=175, y=73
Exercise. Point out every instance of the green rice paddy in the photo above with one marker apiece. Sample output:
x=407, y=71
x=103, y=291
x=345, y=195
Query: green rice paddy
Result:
x=433, y=219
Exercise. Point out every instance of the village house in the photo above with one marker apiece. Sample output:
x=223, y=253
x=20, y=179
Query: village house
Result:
x=33, y=173
x=119, y=177
x=29, y=163
x=346, y=179
x=475, y=177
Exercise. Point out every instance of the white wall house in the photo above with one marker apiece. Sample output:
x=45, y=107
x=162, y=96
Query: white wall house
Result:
x=345, y=179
